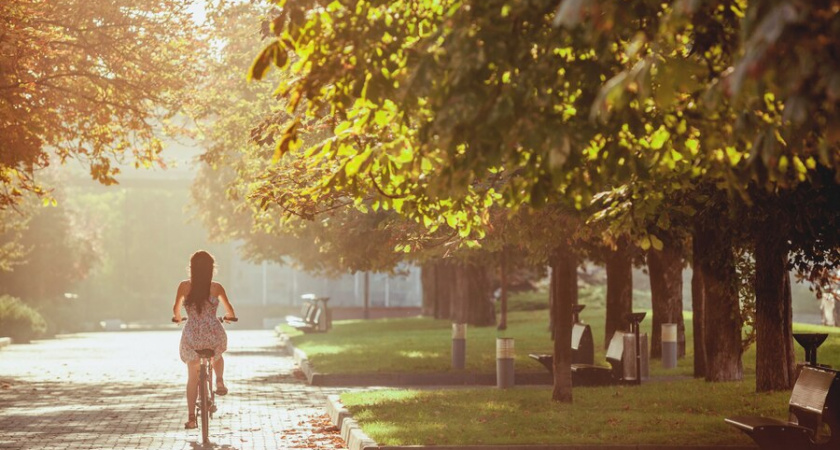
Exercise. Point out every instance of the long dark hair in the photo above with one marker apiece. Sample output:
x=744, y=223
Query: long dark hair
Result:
x=201, y=274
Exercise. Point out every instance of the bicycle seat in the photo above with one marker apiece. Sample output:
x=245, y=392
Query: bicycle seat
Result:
x=206, y=352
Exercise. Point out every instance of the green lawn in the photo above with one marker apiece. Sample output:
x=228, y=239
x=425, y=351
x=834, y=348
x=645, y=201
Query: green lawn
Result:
x=685, y=411
x=418, y=345
x=680, y=412
x=422, y=345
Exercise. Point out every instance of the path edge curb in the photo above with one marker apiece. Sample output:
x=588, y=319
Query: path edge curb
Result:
x=5, y=341
x=351, y=432
x=300, y=359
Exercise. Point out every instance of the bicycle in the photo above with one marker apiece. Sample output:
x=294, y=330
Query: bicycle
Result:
x=205, y=405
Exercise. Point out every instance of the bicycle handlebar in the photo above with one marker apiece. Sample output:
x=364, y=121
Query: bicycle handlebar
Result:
x=221, y=319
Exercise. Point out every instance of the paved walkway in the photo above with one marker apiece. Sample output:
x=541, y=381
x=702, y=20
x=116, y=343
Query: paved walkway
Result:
x=125, y=390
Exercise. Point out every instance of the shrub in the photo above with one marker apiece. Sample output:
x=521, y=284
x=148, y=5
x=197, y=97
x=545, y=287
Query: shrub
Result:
x=19, y=321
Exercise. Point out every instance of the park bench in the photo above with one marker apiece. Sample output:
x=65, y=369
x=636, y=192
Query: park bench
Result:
x=312, y=323
x=589, y=374
x=583, y=345
x=305, y=312
x=316, y=315
x=814, y=404
x=583, y=348
x=595, y=375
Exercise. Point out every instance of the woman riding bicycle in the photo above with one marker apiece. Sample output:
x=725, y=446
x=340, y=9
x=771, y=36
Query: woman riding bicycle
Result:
x=200, y=296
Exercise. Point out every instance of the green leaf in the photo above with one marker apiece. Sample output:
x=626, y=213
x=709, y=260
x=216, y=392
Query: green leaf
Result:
x=262, y=63
x=342, y=127
x=659, y=138
x=656, y=242
x=645, y=243
x=352, y=167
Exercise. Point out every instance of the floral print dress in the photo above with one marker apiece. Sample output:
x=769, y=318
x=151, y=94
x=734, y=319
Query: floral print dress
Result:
x=202, y=331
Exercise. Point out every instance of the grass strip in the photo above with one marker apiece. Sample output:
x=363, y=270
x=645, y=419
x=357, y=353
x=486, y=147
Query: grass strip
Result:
x=686, y=412
x=423, y=345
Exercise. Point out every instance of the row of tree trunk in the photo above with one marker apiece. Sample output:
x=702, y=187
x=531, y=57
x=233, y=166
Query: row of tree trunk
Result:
x=717, y=322
x=718, y=337
x=458, y=291
x=665, y=268
x=462, y=293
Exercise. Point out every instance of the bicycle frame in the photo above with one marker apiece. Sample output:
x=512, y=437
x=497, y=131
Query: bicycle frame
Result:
x=206, y=404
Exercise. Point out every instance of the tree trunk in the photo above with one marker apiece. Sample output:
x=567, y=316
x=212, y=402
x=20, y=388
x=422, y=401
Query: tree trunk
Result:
x=503, y=296
x=698, y=303
x=444, y=289
x=665, y=269
x=428, y=281
x=564, y=296
x=619, y=289
x=774, y=357
x=722, y=316
x=472, y=302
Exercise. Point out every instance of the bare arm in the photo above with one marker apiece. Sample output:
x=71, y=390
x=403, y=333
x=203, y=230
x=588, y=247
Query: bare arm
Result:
x=225, y=301
x=179, y=301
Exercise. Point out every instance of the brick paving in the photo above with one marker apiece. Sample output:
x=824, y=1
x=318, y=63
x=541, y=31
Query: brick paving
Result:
x=125, y=390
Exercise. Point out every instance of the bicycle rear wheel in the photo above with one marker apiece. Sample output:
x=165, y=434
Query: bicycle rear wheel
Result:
x=204, y=404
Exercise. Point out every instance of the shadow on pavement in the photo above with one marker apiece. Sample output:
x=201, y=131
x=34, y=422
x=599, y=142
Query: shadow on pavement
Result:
x=211, y=446
x=275, y=352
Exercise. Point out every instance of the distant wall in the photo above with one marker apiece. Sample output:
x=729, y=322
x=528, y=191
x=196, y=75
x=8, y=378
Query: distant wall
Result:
x=274, y=284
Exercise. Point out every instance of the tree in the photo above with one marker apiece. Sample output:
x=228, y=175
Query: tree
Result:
x=666, y=284
x=698, y=309
x=619, y=265
x=452, y=105
x=721, y=312
x=58, y=254
x=564, y=295
x=92, y=80
x=12, y=225
x=792, y=229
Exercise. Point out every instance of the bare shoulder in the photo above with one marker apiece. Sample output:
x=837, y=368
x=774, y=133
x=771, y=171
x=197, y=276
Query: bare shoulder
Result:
x=184, y=285
x=216, y=288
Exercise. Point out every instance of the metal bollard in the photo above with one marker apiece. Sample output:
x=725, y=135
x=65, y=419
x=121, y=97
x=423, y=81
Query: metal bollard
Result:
x=459, y=345
x=504, y=363
x=669, y=345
